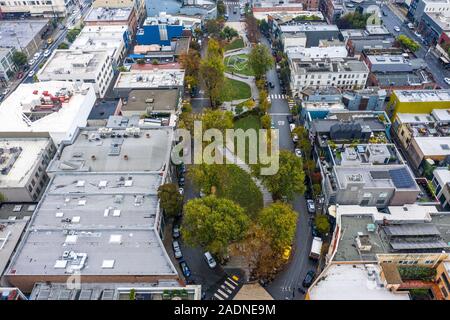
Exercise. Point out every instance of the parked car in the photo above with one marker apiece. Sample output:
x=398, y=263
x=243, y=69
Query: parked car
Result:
x=20, y=75
x=287, y=253
x=181, y=191
x=311, y=206
x=290, y=119
x=397, y=28
x=31, y=74
x=47, y=53
x=447, y=80
x=181, y=181
x=314, y=231
x=308, y=279
x=210, y=260
x=177, y=249
x=31, y=62
x=185, y=269
x=292, y=126
x=410, y=25
x=298, y=152
x=294, y=138
x=176, y=231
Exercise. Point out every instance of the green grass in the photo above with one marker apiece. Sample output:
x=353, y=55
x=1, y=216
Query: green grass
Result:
x=233, y=66
x=238, y=186
x=235, y=90
x=235, y=44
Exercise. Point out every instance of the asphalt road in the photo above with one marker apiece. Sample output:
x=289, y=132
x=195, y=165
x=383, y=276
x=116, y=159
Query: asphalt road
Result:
x=391, y=20
x=285, y=284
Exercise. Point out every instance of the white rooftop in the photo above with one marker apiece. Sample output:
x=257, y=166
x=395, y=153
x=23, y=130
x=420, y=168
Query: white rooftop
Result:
x=61, y=124
x=308, y=28
x=434, y=146
x=423, y=95
x=316, y=52
x=352, y=282
x=21, y=156
x=150, y=78
x=441, y=115
x=442, y=175
x=414, y=118
x=73, y=62
x=10, y=235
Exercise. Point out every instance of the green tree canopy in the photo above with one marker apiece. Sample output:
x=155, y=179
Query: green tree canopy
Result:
x=408, y=43
x=19, y=58
x=217, y=119
x=212, y=71
x=213, y=223
x=279, y=221
x=260, y=60
x=322, y=224
x=353, y=20
x=228, y=33
x=171, y=200
x=63, y=46
x=288, y=181
x=72, y=34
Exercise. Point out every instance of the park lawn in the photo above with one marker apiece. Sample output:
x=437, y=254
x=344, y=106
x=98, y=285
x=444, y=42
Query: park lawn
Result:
x=240, y=67
x=235, y=90
x=235, y=44
x=238, y=186
x=250, y=121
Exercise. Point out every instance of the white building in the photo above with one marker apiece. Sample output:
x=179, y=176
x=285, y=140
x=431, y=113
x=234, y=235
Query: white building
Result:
x=112, y=39
x=80, y=66
x=54, y=108
x=419, y=7
x=46, y=8
x=301, y=53
x=22, y=167
x=343, y=73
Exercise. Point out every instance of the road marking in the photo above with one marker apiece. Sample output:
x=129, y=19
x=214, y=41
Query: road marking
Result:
x=222, y=293
x=281, y=123
x=226, y=289
x=280, y=114
x=230, y=285
x=232, y=281
x=218, y=297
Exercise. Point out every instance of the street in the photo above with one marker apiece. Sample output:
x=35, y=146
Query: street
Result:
x=391, y=20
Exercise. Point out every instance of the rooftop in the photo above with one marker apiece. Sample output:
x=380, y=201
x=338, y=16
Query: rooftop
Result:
x=10, y=234
x=316, y=52
x=441, y=19
x=352, y=282
x=168, y=19
x=115, y=150
x=18, y=157
x=99, y=224
x=19, y=33
x=152, y=101
x=434, y=146
x=402, y=79
x=32, y=108
x=154, y=78
x=16, y=211
x=365, y=232
x=108, y=14
x=423, y=95
x=301, y=27
x=327, y=65
x=73, y=62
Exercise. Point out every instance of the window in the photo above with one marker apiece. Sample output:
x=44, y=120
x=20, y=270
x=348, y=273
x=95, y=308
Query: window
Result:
x=33, y=182
x=30, y=188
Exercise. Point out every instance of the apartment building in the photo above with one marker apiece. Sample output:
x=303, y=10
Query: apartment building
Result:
x=35, y=8
x=343, y=73
x=418, y=8
x=101, y=16
x=7, y=66
x=139, y=6
x=22, y=167
x=80, y=66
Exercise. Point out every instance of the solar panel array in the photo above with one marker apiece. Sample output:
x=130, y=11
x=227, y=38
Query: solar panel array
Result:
x=401, y=178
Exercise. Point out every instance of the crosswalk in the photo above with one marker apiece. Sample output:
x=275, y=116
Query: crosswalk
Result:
x=232, y=3
x=274, y=96
x=228, y=289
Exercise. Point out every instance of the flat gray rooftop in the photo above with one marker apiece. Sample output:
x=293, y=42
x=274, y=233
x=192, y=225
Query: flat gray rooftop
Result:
x=10, y=234
x=103, y=224
x=16, y=211
x=152, y=100
x=19, y=33
x=112, y=152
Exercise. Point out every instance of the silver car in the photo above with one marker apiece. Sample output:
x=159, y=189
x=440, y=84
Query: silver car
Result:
x=177, y=250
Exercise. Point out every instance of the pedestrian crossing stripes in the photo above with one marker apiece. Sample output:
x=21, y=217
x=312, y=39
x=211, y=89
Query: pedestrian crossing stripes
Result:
x=226, y=289
x=274, y=96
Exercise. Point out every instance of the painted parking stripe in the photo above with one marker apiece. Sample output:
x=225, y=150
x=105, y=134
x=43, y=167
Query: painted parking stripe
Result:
x=230, y=285
x=226, y=289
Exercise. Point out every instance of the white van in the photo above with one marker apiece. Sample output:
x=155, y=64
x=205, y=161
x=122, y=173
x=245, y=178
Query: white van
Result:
x=316, y=248
x=210, y=260
x=292, y=126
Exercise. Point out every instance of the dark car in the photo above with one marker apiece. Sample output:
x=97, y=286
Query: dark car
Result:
x=271, y=85
x=309, y=279
x=315, y=233
x=185, y=269
x=181, y=181
x=290, y=119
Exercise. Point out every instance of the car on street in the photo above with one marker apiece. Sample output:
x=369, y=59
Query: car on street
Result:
x=47, y=53
x=31, y=74
x=271, y=85
x=176, y=231
x=181, y=181
x=210, y=260
x=291, y=126
x=298, y=152
x=447, y=80
x=411, y=26
x=309, y=278
x=177, y=249
x=185, y=269
x=287, y=253
x=294, y=138
x=314, y=231
x=384, y=13
x=181, y=191
x=20, y=75
x=31, y=62
x=290, y=119
x=397, y=28
x=226, y=17
x=311, y=206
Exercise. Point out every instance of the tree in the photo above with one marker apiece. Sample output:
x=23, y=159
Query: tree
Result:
x=122, y=69
x=19, y=58
x=322, y=224
x=408, y=43
x=264, y=104
x=140, y=61
x=266, y=121
x=213, y=27
x=252, y=28
x=191, y=65
x=316, y=190
x=353, y=20
x=213, y=223
x=289, y=179
x=72, y=34
x=212, y=72
x=217, y=119
x=221, y=8
x=171, y=200
x=279, y=220
x=63, y=46
x=155, y=62
x=260, y=60
x=228, y=33
x=258, y=253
